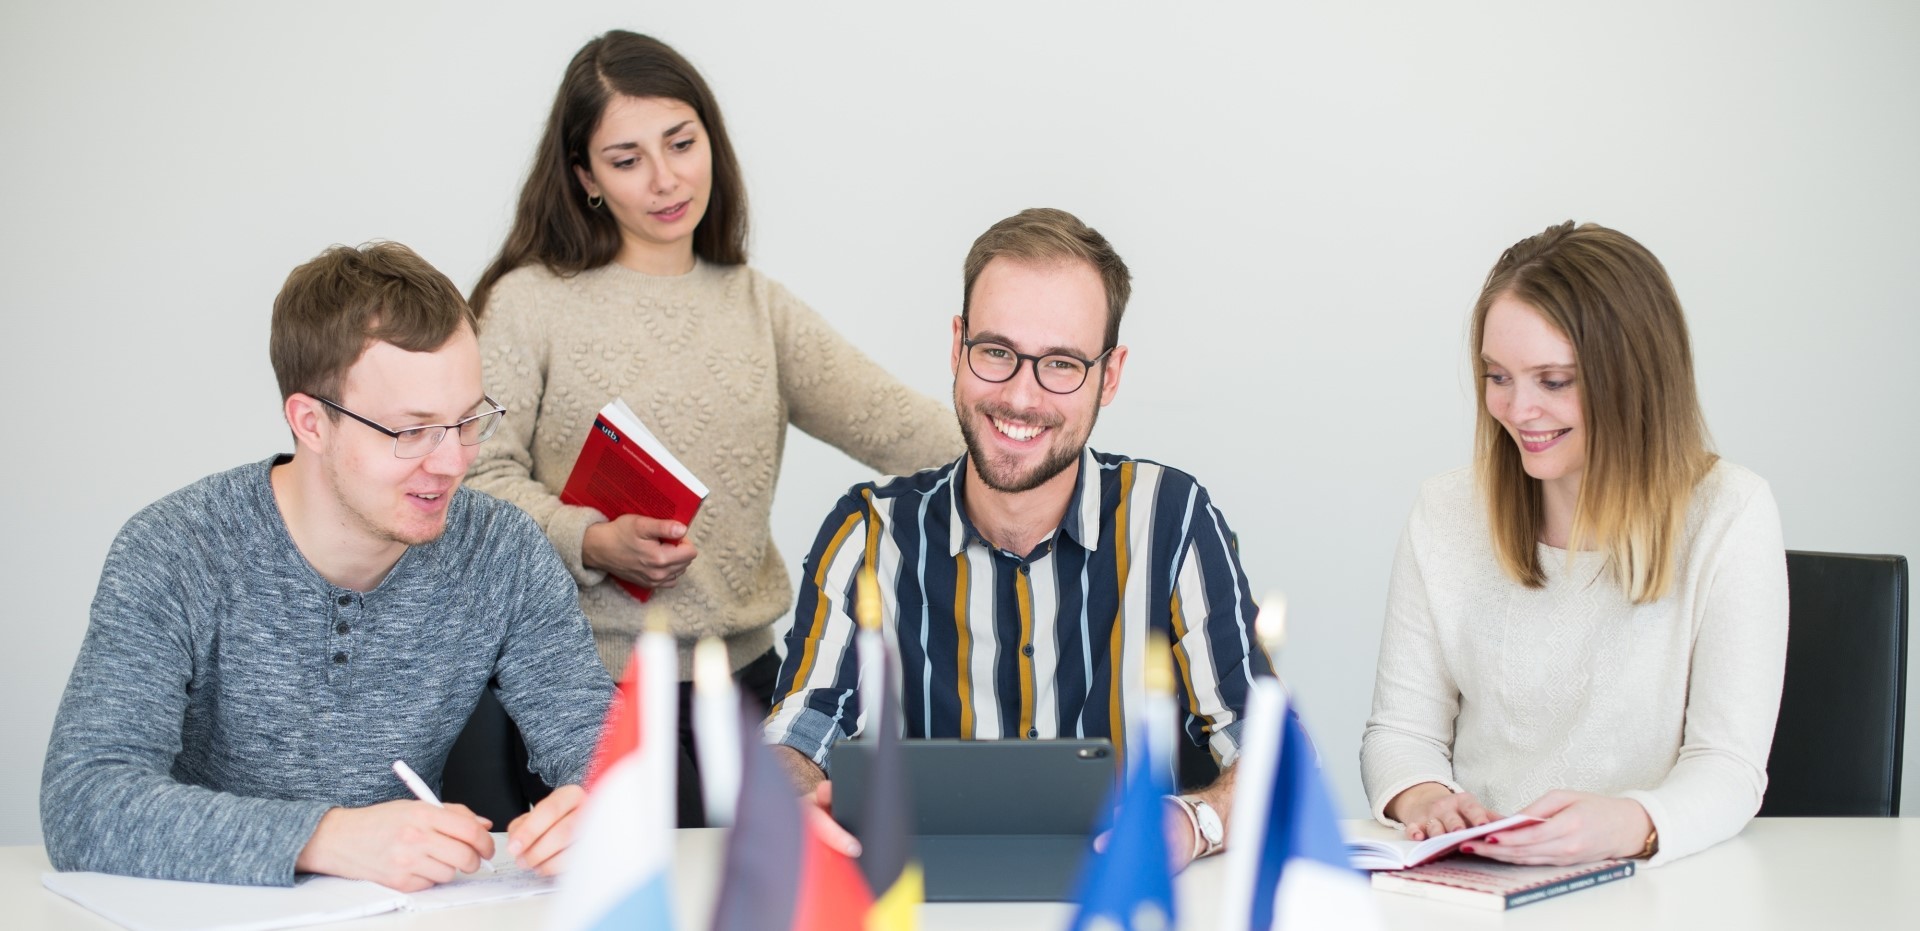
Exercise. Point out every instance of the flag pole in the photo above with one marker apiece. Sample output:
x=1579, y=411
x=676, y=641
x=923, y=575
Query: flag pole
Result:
x=659, y=701
x=1163, y=713
x=716, y=730
x=871, y=649
x=1259, y=761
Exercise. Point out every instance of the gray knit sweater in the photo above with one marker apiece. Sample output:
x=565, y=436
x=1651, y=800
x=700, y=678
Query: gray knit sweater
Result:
x=226, y=696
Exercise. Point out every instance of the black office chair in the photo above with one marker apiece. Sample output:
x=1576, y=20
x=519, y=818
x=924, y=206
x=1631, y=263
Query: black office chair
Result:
x=1836, y=748
x=487, y=767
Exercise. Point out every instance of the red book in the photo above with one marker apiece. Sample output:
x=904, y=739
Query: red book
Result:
x=624, y=469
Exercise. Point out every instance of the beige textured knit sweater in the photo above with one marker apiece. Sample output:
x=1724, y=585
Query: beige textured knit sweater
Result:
x=1508, y=692
x=716, y=362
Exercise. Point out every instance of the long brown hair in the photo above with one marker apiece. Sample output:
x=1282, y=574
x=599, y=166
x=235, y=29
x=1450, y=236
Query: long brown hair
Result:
x=553, y=224
x=1647, y=444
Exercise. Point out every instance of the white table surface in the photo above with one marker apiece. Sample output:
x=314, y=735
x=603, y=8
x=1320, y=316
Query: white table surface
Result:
x=1785, y=873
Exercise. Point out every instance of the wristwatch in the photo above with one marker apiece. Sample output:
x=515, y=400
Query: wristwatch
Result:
x=1209, y=835
x=1652, y=846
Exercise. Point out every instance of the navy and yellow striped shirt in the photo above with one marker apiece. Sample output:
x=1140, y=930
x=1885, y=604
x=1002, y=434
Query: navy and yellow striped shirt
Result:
x=1050, y=644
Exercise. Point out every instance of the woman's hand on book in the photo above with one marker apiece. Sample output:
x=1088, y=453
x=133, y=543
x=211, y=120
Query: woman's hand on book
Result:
x=1580, y=827
x=1431, y=809
x=642, y=550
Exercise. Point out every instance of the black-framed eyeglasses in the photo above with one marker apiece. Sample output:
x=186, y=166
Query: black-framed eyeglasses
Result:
x=415, y=442
x=1058, y=372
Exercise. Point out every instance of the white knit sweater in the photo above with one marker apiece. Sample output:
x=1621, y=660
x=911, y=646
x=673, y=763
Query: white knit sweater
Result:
x=1508, y=692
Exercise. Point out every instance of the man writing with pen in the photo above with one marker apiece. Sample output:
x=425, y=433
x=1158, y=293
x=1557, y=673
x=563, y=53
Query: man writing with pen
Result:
x=267, y=641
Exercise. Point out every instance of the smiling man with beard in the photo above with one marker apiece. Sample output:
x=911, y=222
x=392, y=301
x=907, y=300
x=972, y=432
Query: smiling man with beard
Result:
x=267, y=641
x=1021, y=581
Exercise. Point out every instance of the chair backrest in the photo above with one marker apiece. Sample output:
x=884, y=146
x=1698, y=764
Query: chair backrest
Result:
x=487, y=767
x=1836, y=748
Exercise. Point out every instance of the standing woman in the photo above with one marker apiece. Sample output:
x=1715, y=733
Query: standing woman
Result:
x=1590, y=624
x=625, y=276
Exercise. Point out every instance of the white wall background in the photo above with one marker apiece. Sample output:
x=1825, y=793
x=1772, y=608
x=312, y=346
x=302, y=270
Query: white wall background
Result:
x=1309, y=196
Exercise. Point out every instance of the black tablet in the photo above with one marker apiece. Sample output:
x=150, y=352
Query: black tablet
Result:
x=993, y=820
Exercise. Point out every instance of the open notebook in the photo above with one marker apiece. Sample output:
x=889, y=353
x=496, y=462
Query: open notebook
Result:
x=167, y=905
x=1369, y=853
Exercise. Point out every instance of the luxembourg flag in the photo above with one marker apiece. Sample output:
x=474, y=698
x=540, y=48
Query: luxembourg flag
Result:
x=1287, y=864
x=618, y=868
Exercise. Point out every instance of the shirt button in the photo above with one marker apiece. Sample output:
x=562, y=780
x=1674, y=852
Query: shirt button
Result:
x=340, y=659
x=343, y=628
x=346, y=600
x=1025, y=569
x=1033, y=733
x=1024, y=651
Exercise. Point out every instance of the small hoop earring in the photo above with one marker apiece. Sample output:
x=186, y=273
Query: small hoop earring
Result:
x=594, y=201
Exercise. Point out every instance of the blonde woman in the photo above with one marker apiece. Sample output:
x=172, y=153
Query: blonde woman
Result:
x=1589, y=624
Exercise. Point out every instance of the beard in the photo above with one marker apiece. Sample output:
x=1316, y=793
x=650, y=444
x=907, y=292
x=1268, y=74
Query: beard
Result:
x=365, y=522
x=1002, y=473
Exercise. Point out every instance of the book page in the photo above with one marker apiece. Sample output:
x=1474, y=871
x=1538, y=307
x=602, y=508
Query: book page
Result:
x=1381, y=854
x=504, y=883
x=630, y=424
x=167, y=905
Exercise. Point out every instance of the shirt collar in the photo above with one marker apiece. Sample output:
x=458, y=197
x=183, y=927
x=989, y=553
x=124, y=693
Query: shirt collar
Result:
x=1081, y=523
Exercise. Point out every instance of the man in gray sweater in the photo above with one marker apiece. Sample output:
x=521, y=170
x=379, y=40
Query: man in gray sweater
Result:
x=266, y=642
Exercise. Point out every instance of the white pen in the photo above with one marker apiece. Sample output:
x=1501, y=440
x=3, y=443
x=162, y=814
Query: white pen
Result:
x=418, y=787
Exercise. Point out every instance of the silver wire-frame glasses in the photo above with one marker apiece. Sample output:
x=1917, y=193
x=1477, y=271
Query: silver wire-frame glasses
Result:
x=415, y=442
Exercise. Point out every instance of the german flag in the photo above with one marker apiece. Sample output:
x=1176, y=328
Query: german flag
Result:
x=779, y=875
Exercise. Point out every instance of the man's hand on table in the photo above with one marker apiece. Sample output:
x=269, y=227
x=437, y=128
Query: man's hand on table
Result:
x=538, y=838
x=405, y=845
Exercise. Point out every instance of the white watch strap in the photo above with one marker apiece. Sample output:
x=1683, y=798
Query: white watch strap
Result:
x=1193, y=825
x=1203, y=816
x=1203, y=846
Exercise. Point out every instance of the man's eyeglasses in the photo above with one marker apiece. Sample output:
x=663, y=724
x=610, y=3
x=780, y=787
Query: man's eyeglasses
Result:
x=415, y=442
x=1058, y=372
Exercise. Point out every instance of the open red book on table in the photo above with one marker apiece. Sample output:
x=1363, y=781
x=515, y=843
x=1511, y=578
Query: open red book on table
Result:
x=1369, y=853
x=624, y=469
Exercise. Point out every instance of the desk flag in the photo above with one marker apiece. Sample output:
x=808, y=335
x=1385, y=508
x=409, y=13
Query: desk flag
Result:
x=779, y=875
x=760, y=880
x=886, y=856
x=618, y=870
x=716, y=730
x=1287, y=865
x=1128, y=886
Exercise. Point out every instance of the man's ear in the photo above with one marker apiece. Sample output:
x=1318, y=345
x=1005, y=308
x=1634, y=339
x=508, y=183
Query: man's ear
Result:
x=959, y=335
x=1110, y=376
x=308, y=420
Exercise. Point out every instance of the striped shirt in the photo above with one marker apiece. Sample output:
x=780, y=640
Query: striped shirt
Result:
x=997, y=645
